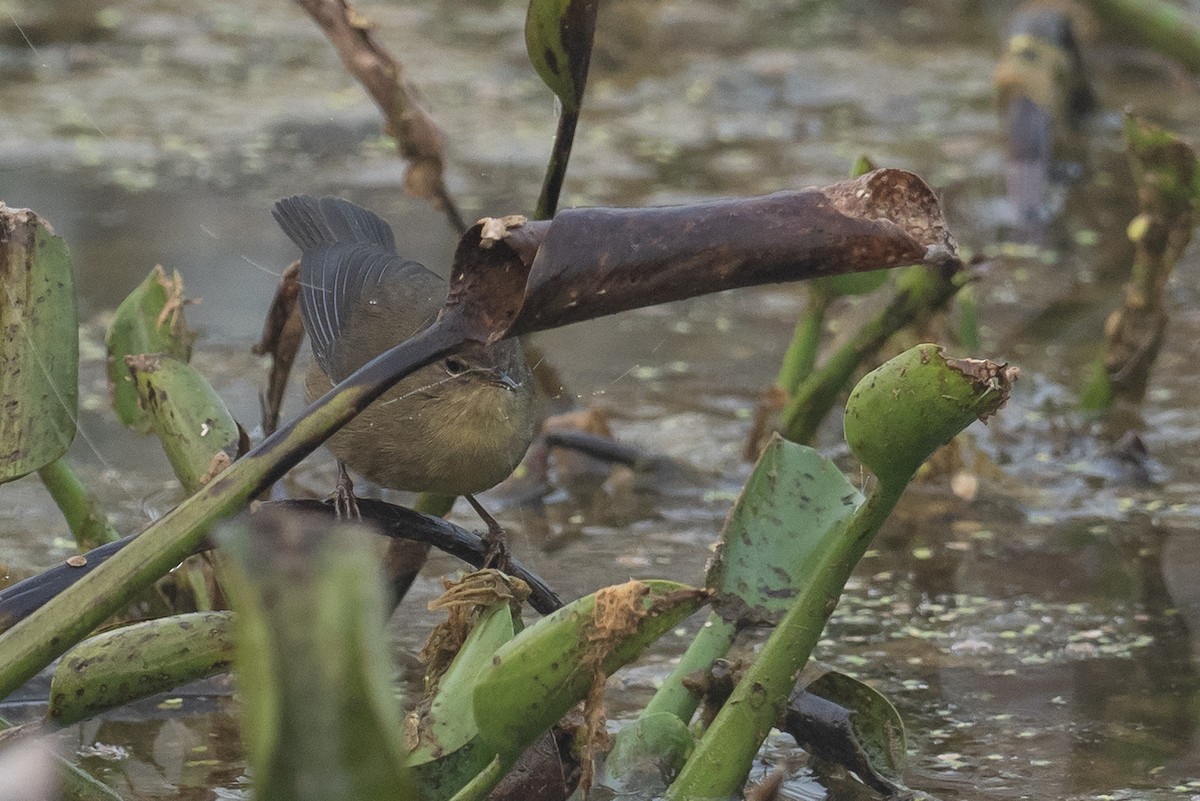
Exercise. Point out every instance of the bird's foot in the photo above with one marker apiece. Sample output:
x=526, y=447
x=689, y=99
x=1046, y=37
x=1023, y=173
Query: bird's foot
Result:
x=496, y=554
x=345, y=505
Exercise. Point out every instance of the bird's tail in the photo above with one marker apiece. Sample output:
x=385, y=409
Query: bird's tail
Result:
x=310, y=222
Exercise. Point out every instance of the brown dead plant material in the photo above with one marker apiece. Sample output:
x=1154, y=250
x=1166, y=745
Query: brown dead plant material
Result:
x=172, y=315
x=283, y=332
x=618, y=611
x=464, y=601
x=1165, y=169
x=990, y=376
x=416, y=134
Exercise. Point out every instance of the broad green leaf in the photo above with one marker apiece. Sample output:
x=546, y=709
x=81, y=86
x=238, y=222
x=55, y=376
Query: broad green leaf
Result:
x=125, y=664
x=321, y=716
x=39, y=344
x=794, y=497
x=149, y=320
x=197, y=432
x=558, y=35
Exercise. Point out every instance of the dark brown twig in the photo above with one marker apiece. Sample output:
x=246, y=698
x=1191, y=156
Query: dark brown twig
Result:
x=416, y=134
x=283, y=331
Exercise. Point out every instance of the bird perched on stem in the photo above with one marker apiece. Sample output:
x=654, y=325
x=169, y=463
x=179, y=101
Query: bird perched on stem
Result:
x=454, y=427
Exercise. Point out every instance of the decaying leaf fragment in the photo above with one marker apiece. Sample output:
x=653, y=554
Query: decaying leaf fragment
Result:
x=590, y=262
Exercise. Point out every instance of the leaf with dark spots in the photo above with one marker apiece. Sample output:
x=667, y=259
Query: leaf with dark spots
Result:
x=766, y=551
x=558, y=36
x=39, y=344
x=191, y=421
x=122, y=665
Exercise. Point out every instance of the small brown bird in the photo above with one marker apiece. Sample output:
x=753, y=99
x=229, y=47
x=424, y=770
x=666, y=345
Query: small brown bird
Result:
x=455, y=427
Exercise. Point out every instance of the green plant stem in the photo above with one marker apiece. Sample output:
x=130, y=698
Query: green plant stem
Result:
x=79, y=505
x=921, y=290
x=67, y=618
x=712, y=642
x=722, y=760
x=1162, y=26
x=483, y=783
x=801, y=354
x=556, y=169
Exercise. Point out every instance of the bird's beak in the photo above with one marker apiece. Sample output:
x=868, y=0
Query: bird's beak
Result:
x=502, y=379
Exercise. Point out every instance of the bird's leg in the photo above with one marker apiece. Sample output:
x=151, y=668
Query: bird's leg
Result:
x=495, y=539
x=344, y=502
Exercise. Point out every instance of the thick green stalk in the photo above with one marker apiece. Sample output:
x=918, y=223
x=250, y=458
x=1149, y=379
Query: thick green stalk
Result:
x=79, y=505
x=722, y=760
x=801, y=354
x=483, y=783
x=712, y=642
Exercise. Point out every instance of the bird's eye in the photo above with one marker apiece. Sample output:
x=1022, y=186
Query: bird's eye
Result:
x=455, y=366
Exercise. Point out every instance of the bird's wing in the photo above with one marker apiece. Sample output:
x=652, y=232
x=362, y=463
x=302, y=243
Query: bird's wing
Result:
x=346, y=250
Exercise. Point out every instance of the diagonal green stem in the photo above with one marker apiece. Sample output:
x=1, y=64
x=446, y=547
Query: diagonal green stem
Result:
x=711, y=643
x=801, y=356
x=34, y=642
x=722, y=760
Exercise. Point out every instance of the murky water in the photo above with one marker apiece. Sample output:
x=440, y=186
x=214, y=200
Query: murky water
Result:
x=1038, y=640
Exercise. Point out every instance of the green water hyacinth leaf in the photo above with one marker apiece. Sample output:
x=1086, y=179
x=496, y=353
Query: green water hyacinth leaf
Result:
x=132, y=662
x=197, y=432
x=320, y=715
x=447, y=755
x=149, y=320
x=546, y=669
x=558, y=35
x=793, y=502
x=39, y=344
x=913, y=404
x=761, y=561
x=847, y=722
